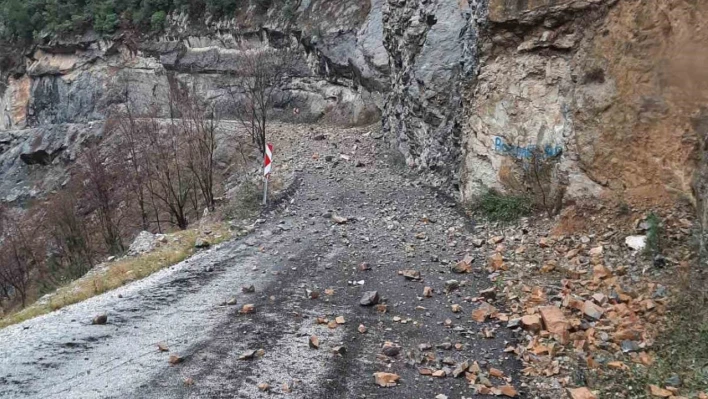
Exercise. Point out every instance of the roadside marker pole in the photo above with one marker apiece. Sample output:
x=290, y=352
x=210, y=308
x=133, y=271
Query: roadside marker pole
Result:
x=267, y=163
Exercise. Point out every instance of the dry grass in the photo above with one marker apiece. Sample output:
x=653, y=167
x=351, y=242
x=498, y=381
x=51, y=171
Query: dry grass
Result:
x=179, y=246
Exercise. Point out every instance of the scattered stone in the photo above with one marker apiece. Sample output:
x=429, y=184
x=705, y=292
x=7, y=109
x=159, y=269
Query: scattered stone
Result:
x=460, y=369
x=630, y=346
x=369, y=298
x=339, y=219
x=531, y=323
x=248, y=289
x=508, y=391
x=513, y=323
x=248, y=308
x=390, y=350
x=554, y=320
x=248, y=355
x=175, y=359
x=440, y=373
x=477, y=242
x=489, y=293
x=232, y=301
x=593, y=311
x=484, y=311
x=496, y=240
x=362, y=329
x=263, y=387
x=427, y=292
x=581, y=393
x=339, y=350
x=673, y=381
x=496, y=373
x=660, y=392
x=314, y=342
x=451, y=285
x=636, y=243
x=425, y=347
x=410, y=274
x=162, y=347
x=201, y=243
x=340, y=320
x=463, y=266
x=312, y=294
x=456, y=308
x=364, y=266
x=386, y=380
x=100, y=319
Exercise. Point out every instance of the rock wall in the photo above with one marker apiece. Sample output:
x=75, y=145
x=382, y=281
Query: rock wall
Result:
x=69, y=86
x=610, y=90
x=433, y=53
x=608, y=93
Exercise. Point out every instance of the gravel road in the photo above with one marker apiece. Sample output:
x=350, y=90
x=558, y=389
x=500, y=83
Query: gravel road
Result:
x=393, y=223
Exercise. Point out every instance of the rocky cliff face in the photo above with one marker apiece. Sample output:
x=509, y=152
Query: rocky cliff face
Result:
x=607, y=94
x=608, y=90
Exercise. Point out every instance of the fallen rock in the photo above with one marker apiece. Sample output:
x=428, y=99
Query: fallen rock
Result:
x=659, y=392
x=508, y=391
x=581, y=393
x=390, y=350
x=201, y=243
x=554, y=320
x=339, y=219
x=314, y=342
x=496, y=373
x=232, y=301
x=263, y=387
x=463, y=266
x=460, y=369
x=386, y=380
x=484, y=311
x=369, y=298
x=248, y=308
x=362, y=329
x=248, y=355
x=636, y=243
x=593, y=311
x=175, y=359
x=410, y=274
x=531, y=323
x=100, y=320
x=456, y=308
x=248, y=289
x=427, y=292
x=451, y=285
x=143, y=243
x=161, y=347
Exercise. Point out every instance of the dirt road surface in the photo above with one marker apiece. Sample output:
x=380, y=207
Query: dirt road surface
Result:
x=393, y=223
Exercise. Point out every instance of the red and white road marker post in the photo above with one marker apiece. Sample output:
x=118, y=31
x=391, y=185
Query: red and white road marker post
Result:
x=267, y=164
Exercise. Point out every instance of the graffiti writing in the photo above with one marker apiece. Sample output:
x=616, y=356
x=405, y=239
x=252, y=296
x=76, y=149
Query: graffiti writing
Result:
x=527, y=152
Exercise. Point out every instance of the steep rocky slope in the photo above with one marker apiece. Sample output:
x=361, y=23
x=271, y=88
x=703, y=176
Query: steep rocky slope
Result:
x=611, y=92
x=614, y=87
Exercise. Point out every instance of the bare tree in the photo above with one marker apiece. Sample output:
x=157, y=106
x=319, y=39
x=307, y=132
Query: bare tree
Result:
x=261, y=75
x=170, y=180
x=20, y=255
x=70, y=238
x=198, y=128
x=103, y=196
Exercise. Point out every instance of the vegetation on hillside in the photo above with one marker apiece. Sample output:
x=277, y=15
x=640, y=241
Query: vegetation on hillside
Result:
x=25, y=20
